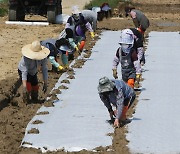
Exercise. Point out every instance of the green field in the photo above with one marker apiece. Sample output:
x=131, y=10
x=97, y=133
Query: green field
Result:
x=3, y=7
x=98, y=3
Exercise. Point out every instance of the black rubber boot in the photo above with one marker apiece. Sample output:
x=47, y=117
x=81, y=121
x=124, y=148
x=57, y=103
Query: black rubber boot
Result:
x=34, y=96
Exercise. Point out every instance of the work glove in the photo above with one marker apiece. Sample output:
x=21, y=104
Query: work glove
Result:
x=92, y=35
x=115, y=73
x=78, y=44
x=60, y=68
x=77, y=50
x=44, y=87
x=138, y=77
x=25, y=95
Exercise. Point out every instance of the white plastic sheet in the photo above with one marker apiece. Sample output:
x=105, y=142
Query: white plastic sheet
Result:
x=78, y=120
x=156, y=123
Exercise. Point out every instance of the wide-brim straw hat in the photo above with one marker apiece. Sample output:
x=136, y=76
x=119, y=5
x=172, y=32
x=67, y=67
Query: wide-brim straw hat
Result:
x=35, y=51
x=105, y=85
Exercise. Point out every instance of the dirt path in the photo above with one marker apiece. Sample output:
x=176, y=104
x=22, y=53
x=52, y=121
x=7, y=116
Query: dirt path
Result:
x=66, y=5
x=14, y=115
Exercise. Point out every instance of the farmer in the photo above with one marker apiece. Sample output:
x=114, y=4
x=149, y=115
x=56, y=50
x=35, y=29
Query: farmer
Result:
x=34, y=56
x=140, y=21
x=138, y=44
x=67, y=46
x=91, y=17
x=116, y=94
x=106, y=9
x=126, y=54
x=51, y=45
x=79, y=26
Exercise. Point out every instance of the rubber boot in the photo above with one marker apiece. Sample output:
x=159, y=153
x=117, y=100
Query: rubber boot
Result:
x=34, y=93
x=64, y=59
x=34, y=96
x=81, y=46
x=26, y=93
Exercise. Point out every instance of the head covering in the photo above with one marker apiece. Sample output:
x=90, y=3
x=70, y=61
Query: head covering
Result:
x=75, y=10
x=96, y=9
x=126, y=37
x=105, y=85
x=35, y=51
x=128, y=9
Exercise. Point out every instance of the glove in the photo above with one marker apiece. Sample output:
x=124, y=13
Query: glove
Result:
x=60, y=68
x=92, y=34
x=138, y=77
x=77, y=49
x=115, y=73
x=44, y=87
x=25, y=95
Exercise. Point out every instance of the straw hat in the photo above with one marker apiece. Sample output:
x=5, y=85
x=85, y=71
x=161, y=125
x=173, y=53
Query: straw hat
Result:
x=105, y=85
x=35, y=51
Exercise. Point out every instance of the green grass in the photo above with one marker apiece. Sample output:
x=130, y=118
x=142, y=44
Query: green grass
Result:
x=3, y=7
x=98, y=3
x=3, y=12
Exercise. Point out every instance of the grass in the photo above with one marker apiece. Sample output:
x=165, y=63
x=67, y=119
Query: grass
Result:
x=3, y=7
x=3, y=12
x=98, y=3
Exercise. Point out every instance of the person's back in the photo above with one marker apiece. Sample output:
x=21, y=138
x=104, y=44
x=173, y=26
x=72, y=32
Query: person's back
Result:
x=138, y=38
x=118, y=94
x=34, y=55
x=142, y=19
x=140, y=52
x=91, y=17
x=127, y=90
x=126, y=55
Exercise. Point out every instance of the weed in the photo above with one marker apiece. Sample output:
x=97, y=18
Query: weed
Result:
x=98, y=3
